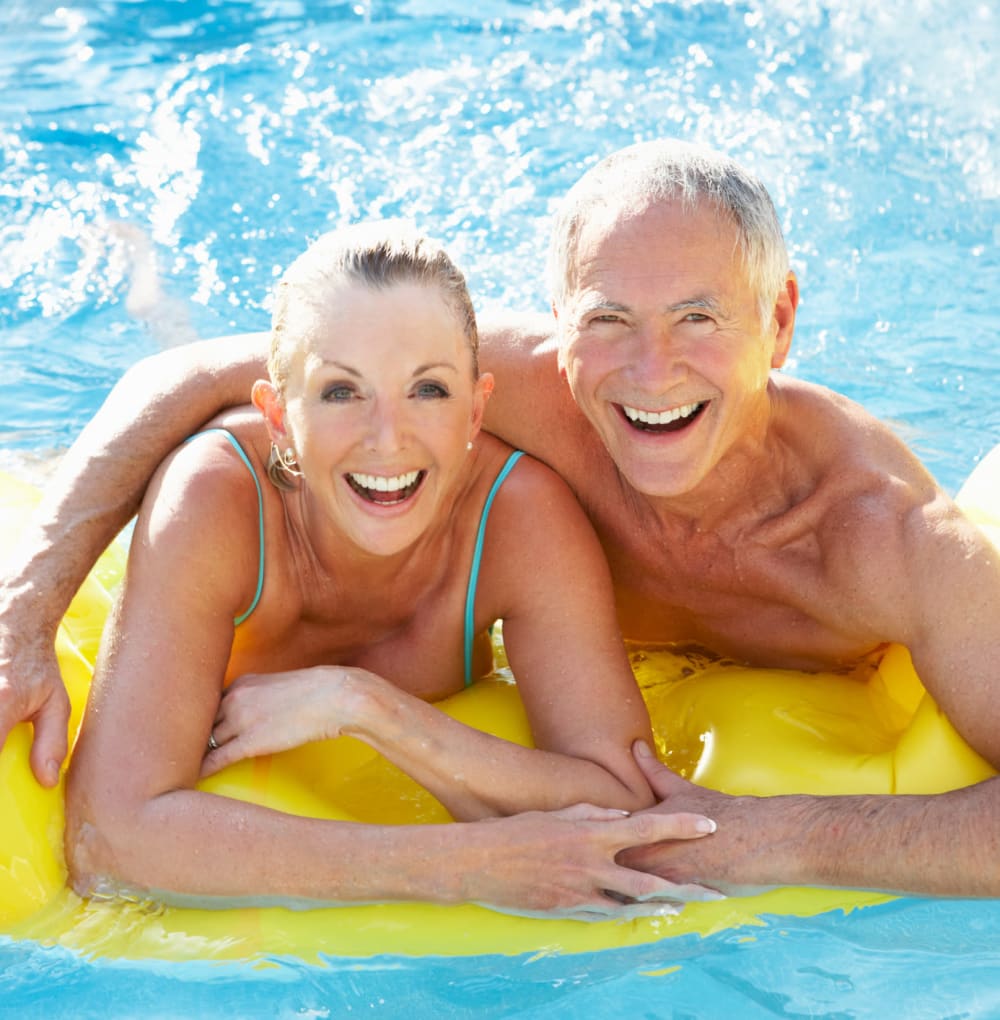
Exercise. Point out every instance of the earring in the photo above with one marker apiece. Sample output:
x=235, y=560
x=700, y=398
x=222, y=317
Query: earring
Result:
x=286, y=461
x=468, y=445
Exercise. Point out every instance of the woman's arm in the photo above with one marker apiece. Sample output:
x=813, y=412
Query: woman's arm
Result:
x=474, y=774
x=545, y=566
x=135, y=821
x=585, y=710
x=155, y=406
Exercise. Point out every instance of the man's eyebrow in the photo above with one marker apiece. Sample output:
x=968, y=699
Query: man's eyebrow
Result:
x=599, y=304
x=702, y=303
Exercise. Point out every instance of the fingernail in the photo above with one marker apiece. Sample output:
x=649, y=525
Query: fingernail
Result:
x=643, y=749
x=705, y=825
x=52, y=771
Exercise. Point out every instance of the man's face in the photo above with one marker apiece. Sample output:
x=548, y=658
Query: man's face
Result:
x=662, y=346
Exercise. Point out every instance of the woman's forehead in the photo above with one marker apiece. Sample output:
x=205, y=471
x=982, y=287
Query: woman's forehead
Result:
x=356, y=323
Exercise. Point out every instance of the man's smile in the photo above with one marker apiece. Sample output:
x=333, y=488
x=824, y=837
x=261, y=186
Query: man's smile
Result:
x=672, y=420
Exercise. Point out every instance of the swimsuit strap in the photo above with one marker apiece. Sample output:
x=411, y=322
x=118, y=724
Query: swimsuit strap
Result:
x=477, y=555
x=260, y=515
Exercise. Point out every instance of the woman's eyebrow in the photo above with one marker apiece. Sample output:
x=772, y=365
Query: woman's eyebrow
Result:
x=431, y=365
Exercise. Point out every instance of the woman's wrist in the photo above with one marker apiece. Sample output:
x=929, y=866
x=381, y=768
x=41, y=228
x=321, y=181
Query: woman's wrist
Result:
x=366, y=704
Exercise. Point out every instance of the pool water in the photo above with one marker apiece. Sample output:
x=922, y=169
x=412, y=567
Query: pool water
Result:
x=162, y=161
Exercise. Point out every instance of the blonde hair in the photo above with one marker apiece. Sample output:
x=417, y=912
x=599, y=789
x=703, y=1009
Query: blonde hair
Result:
x=378, y=255
x=669, y=170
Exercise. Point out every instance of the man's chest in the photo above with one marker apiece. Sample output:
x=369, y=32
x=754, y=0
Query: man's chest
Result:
x=741, y=599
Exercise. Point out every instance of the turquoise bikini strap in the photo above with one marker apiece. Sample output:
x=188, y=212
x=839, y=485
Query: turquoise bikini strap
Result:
x=477, y=555
x=260, y=516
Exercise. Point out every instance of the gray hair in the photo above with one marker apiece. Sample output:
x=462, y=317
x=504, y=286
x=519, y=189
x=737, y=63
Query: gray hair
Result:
x=378, y=255
x=669, y=170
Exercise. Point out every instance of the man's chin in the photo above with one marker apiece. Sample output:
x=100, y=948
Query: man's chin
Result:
x=655, y=482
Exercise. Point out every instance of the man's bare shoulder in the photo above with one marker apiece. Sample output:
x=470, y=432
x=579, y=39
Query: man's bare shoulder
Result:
x=866, y=497
x=843, y=442
x=512, y=343
x=531, y=407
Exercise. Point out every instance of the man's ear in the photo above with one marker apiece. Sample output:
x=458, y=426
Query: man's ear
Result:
x=784, y=318
x=268, y=401
x=560, y=346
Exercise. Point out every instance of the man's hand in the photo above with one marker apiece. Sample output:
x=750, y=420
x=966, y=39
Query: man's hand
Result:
x=729, y=861
x=562, y=864
x=32, y=690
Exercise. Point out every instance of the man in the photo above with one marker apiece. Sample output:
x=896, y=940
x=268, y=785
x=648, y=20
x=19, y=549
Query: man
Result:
x=767, y=519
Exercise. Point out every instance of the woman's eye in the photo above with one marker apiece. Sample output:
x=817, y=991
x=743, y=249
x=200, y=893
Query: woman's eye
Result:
x=430, y=391
x=338, y=393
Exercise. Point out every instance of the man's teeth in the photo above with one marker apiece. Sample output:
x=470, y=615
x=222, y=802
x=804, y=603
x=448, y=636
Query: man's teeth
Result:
x=379, y=483
x=660, y=417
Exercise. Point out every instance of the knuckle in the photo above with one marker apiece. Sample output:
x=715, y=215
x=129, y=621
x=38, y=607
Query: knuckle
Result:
x=646, y=827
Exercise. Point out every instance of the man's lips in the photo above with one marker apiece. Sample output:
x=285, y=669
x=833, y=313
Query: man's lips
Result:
x=673, y=419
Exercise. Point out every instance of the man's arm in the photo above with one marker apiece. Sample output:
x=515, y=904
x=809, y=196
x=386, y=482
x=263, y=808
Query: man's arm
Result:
x=520, y=351
x=100, y=481
x=945, y=844
x=930, y=580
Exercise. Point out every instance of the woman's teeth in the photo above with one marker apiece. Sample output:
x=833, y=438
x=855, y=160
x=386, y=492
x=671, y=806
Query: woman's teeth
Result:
x=385, y=489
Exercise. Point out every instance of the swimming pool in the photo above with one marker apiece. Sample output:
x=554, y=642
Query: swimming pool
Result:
x=162, y=161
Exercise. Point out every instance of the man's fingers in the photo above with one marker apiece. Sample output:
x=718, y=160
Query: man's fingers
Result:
x=48, y=748
x=615, y=910
x=687, y=893
x=662, y=781
x=639, y=887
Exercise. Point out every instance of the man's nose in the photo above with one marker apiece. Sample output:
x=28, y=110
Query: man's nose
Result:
x=658, y=360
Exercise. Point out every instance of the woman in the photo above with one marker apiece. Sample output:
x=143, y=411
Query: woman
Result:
x=339, y=600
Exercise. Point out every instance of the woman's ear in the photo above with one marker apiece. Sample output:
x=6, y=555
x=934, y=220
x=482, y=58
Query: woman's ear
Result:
x=484, y=387
x=268, y=401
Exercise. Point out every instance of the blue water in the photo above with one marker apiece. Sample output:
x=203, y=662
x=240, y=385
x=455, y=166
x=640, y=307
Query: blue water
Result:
x=163, y=160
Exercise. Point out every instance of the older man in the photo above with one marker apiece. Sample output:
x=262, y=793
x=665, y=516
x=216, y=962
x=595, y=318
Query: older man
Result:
x=764, y=518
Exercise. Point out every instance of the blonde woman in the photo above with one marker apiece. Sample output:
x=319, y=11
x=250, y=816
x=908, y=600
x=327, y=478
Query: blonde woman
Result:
x=330, y=566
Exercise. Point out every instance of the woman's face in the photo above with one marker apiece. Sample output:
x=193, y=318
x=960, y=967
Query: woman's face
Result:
x=380, y=408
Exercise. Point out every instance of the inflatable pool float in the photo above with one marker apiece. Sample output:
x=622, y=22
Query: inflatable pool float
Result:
x=740, y=730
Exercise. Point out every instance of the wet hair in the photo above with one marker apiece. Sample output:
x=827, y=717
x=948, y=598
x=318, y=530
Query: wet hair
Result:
x=635, y=178
x=379, y=255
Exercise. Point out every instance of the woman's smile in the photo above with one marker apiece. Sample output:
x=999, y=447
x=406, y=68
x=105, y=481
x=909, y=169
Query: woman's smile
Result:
x=383, y=490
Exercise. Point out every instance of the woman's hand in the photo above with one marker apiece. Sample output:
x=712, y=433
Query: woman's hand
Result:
x=563, y=864
x=263, y=713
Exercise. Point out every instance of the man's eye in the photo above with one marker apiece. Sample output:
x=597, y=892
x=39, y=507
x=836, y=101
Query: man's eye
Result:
x=696, y=317
x=430, y=391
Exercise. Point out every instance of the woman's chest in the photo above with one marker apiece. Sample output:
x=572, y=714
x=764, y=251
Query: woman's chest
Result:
x=416, y=641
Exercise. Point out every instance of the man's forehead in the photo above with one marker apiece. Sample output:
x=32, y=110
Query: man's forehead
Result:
x=618, y=221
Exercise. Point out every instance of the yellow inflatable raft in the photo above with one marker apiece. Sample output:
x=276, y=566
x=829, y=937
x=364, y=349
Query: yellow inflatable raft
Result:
x=739, y=730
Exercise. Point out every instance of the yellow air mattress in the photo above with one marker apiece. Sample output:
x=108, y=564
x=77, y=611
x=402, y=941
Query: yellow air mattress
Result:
x=739, y=730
